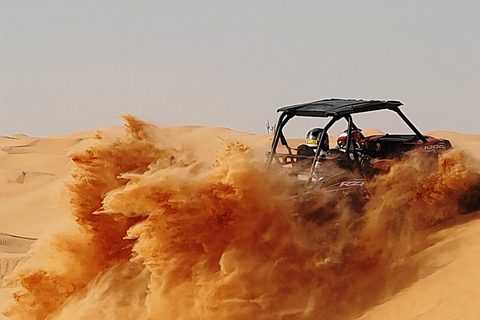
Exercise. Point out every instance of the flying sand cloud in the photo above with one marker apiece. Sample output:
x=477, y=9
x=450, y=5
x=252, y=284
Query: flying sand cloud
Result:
x=162, y=232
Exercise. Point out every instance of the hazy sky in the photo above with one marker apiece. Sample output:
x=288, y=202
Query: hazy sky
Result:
x=67, y=65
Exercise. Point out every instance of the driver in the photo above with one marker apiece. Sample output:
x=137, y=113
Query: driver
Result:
x=313, y=136
x=311, y=145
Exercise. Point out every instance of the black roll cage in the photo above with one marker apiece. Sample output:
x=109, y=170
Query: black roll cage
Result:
x=336, y=109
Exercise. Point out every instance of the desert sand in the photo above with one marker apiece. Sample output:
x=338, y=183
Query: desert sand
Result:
x=142, y=222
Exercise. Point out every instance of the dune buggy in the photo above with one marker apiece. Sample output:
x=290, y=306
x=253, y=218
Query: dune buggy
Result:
x=346, y=167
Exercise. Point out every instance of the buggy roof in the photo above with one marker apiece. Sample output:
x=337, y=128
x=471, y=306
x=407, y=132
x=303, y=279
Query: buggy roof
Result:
x=338, y=107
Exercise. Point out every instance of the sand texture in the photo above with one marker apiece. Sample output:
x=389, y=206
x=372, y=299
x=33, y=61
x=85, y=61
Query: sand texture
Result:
x=142, y=222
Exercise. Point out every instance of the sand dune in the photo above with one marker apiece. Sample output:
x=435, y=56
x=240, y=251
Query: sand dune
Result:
x=449, y=290
x=183, y=222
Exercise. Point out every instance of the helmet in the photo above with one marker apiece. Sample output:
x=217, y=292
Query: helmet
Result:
x=313, y=136
x=342, y=138
x=342, y=141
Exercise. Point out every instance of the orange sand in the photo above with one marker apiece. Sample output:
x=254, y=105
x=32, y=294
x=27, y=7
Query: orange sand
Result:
x=183, y=223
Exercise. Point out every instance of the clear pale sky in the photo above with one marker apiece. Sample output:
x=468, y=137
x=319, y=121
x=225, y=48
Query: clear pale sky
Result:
x=67, y=66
